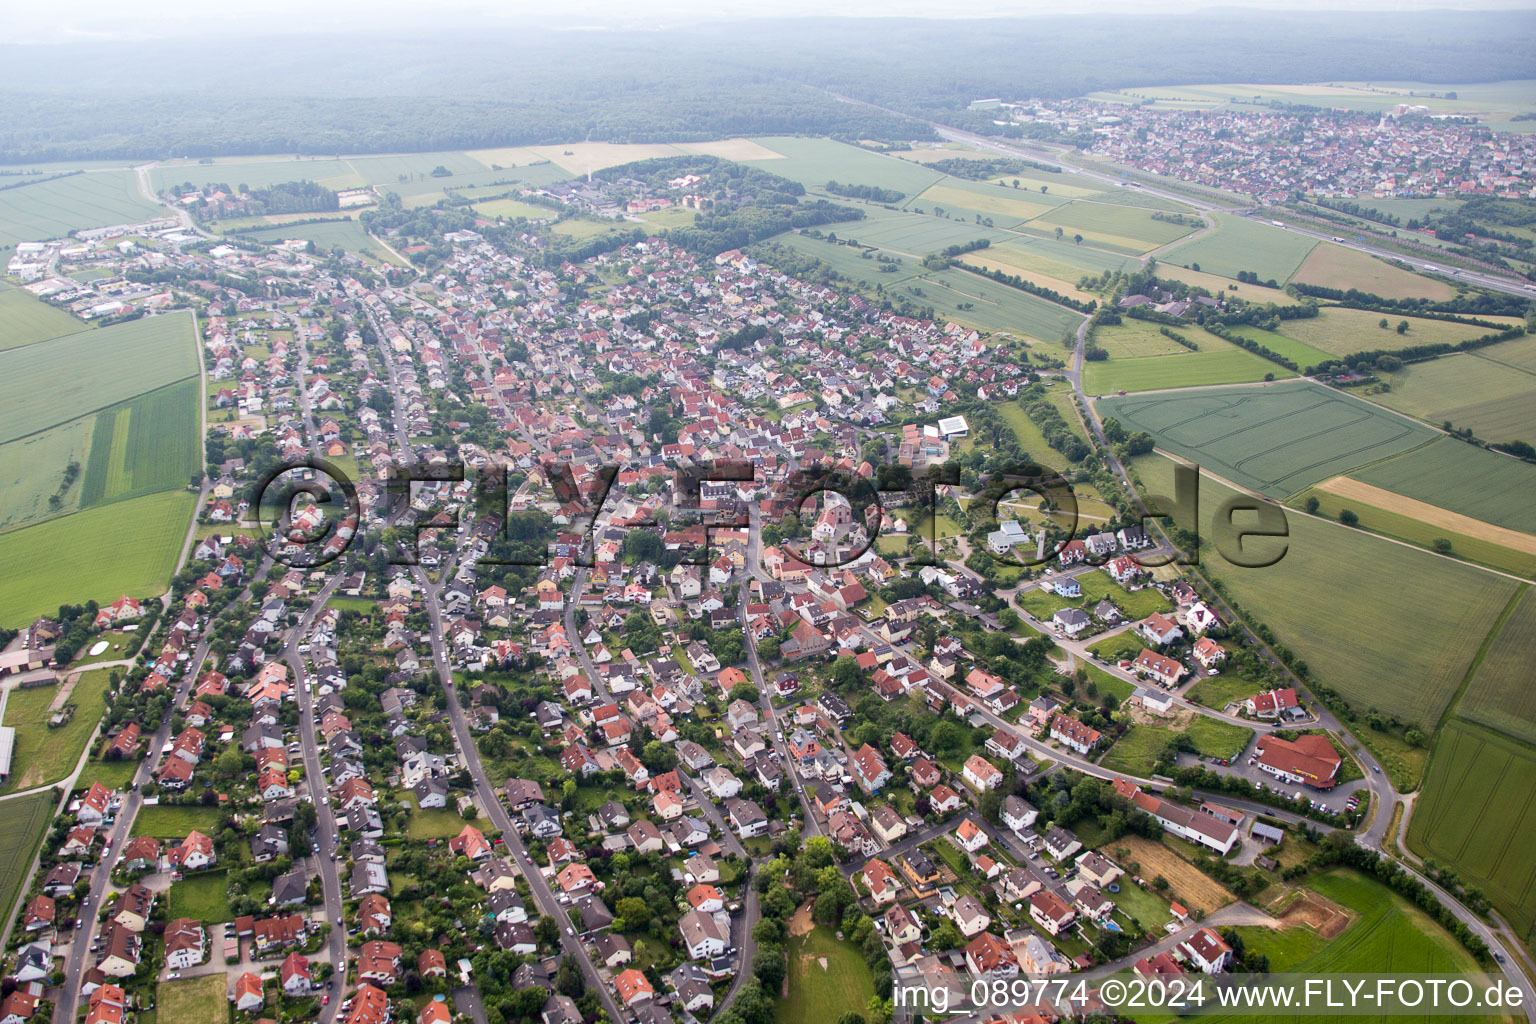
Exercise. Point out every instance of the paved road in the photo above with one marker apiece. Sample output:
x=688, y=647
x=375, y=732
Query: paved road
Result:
x=327, y=855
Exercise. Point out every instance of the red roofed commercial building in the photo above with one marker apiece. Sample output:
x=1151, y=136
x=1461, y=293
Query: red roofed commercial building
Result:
x=1205, y=829
x=1309, y=760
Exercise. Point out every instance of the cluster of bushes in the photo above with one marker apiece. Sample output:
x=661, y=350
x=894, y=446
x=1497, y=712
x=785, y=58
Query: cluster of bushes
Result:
x=1054, y=428
x=1484, y=303
x=873, y=193
x=1257, y=348
x=1176, y=336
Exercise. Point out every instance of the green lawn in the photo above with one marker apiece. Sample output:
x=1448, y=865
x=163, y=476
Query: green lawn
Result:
x=202, y=896
x=1122, y=645
x=26, y=822
x=1217, y=692
x=1136, y=751
x=824, y=993
x=112, y=774
x=439, y=823
x=166, y=821
x=45, y=755
x=193, y=1001
x=1149, y=910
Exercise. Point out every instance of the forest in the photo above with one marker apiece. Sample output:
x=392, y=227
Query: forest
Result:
x=439, y=89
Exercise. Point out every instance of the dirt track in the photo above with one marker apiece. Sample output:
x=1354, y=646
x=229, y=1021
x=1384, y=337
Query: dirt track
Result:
x=1433, y=515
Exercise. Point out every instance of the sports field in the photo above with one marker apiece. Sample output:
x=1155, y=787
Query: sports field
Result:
x=1386, y=625
x=1499, y=695
x=126, y=547
x=1347, y=331
x=51, y=382
x=54, y=208
x=1421, y=523
x=26, y=822
x=1477, y=815
x=1495, y=400
x=1276, y=439
x=1334, y=266
x=1455, y=475
x=1239, y=243
x=24, y=319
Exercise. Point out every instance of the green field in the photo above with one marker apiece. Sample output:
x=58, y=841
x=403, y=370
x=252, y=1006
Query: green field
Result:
x=1499, y=695
x=1344, y=332
x=814, y=162
x=825, y=993
x=1064, y=259
x=32, y=471
x=193, y=1001
x=55, y=381
x=45, y=755
x=1388, y=935
x=146, y=445
x=203, y=896
x=1239, y=243
x=1519, y=352
x=1455, y=475
x=24, y=319
x=439, y=823
x=1007, y=207
x=1217, y=362
x=1298, y=352
x=1275, y=440
x=511, y=208
x=26, y=823
x=1126, y=228
x=174, y=821
x=1415, y=531
x=1477, y=815
x=1387, y=626
x=112, y=774
x=343, y=233
x=1495, y=400
x=52, y=209
x=127, y=547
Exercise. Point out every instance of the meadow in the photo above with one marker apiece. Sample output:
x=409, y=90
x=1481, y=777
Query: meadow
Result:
x=1347, y=331
x=1385, y=625
x=988, y=259
x=959, y=295
x=1300, y=353
x=129, y=547
x=32, y=470
x=1064, y=260
x=818, y=992
x=1218, y=285
x=1520, y=352
x=1499, y=695
x=1008, y=206
x=24, y=319
x=1217, y=362
x=203, y=896
x=174, y=821
x=1477, y=815
x=1335, y=266
x=1463, y=478
x=1492, y=399
x=51, y=382
x=26, y=823
x=1137, y=750
x=45, y=755
x=1239, y=243
x=1275, y=440
x=912, y=234
x=54, y=208
x=192, y=1000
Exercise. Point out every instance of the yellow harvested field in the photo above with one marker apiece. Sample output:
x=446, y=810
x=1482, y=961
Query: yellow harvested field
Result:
x=506, y=156
x=987, y=262
x=1056, y=185
x=1432, y=515
x=1186, y=883
x=732, y=149
x=1334, y=266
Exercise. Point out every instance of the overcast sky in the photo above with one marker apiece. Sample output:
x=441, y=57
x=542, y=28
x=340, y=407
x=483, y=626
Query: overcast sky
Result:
x=69, y=20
